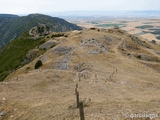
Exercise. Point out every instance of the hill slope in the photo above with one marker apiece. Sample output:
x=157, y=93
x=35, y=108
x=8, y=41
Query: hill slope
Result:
x=11, y=26
x=117, y=75
x=14, y=53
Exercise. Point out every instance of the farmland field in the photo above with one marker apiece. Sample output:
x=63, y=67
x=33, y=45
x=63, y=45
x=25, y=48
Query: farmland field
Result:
x=110, y=25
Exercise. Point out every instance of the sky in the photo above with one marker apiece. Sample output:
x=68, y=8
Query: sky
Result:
x=47, y=6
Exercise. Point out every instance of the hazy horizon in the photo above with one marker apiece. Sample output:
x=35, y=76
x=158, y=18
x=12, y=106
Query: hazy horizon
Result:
x=147, y=13
x=21, y=7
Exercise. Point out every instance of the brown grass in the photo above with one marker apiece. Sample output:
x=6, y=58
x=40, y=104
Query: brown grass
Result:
x=48, y=94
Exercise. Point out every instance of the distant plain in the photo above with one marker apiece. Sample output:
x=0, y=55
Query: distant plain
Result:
x=146, y=28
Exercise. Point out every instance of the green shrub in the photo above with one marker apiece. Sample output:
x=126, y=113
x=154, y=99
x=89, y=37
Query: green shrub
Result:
x=57, y=35
x=92, y=28
x=139, y=56
x=38, y=64
x=4, y=75
x=128, y=54
x=48, y=36
x=123, y=49
x=28, y=68
x=65, y=35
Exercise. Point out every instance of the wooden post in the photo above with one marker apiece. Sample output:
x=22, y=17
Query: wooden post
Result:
x=76, y=88
x=77, y=98
x=76, y=85
x=76, y=91
x=81, y=110
x=79, y=77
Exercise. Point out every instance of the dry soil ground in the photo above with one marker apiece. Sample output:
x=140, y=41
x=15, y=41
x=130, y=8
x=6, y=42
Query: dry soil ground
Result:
x=112, y=80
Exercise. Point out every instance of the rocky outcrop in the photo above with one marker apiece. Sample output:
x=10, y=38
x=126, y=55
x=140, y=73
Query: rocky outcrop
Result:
x=31, y=55
x=40, y=30
x=47, y=45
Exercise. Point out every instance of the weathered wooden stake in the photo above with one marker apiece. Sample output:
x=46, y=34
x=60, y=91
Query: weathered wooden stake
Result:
x=76, y=85
x=76, y=88
x=81, y=110
x=76, y=91
x=77, y=98
x=79, y=77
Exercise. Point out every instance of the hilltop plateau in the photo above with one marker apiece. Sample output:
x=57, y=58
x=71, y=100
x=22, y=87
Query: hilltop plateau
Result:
x=117, y=75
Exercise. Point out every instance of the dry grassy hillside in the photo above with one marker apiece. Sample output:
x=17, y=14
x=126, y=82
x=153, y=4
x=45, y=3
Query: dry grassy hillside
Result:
x=117, y=75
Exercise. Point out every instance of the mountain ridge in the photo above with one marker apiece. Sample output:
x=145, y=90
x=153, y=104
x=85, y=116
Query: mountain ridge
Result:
x=9, y=15
x=12, y=27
